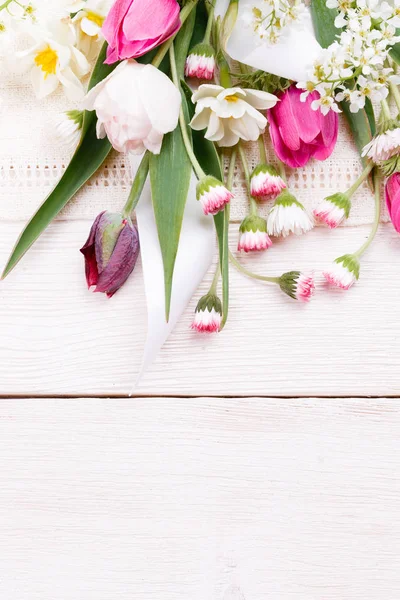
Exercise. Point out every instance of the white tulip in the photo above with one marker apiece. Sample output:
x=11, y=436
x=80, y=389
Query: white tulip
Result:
x=135, y=106
x=230, y=114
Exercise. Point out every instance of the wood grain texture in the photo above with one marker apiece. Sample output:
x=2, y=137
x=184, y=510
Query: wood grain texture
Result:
x=165, y=499
x=57, y=338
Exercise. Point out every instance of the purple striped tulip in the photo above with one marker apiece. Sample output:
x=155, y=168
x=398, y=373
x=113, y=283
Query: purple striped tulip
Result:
x=110, y=252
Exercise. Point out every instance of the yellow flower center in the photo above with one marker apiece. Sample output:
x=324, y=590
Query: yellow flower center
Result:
x=231, y=98
x=95, y=18
x=47, y=60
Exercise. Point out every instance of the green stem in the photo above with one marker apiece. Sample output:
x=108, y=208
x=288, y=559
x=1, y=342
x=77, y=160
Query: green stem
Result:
x=261, y=148
x=182, y=121
x=248, y=273
x=185, y=12
x=282, y=170
x=224, y=71
x=225, y=242
x=210, y=22
x=243, y=158
x=375, y=226
x=137, y=186
x=3, y=6
x=396, y=94
x=213, y=287
x=364, y=175
x=386, y=110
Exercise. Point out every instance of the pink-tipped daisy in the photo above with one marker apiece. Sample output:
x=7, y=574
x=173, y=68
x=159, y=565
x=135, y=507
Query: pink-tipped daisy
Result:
x=253, y=234
x=288, y=216
x=208, y=315
x=213, y=195
x=265, y=182
x=343, y=272
x=297, y=285
x=200, y=63
x=333, y=210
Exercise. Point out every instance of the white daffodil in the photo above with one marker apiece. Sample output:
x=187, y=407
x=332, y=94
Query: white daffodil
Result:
x=230, y=114
x=88, y=20
x=54, y=60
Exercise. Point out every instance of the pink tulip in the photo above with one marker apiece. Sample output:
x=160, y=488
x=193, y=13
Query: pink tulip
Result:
x=392, y=193
x=299, y=133
x=133, y=27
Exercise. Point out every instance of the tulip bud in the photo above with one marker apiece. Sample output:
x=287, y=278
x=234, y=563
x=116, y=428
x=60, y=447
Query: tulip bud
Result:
x=392, y=193
x=200, y=62
x=110, y=252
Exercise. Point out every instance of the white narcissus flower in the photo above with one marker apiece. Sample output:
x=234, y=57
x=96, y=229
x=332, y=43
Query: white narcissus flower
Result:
x=135, y=105
x=288, y=216
x=54, y=60
x=230, y=114
x=88, y=19
x=343, y=272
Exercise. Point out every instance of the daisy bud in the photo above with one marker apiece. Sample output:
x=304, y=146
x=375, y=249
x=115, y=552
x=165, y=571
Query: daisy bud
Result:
x=200, y=62
x=344, y=271
x=208, y=314
x=266, y=182
x=297, y=285
x=253, y=234
x=333, y=209
x=213, y=195
x=288, y=216
x=384, y=145
x=68, y=127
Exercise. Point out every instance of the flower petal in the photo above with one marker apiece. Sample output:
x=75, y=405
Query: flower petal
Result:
x=160, y=97
x=260, y=100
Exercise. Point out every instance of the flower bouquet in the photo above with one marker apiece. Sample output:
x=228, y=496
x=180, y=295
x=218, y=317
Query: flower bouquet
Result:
x=182, y=88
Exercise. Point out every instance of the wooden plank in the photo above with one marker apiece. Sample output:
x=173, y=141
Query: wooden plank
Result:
x=57, y=338
x=156, y=499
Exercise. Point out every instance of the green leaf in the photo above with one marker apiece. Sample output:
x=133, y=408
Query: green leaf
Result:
x=323, y=19
x=210, y=163
x=360, y=127
x=170, y=173
x=88, y=157
x=395, y=51
x=182, y=43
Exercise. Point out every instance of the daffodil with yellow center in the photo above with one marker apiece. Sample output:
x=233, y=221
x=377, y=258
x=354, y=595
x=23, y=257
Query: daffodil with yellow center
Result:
x=88, y=20
x=230, y=114
x=47, y=60
x=55, y=60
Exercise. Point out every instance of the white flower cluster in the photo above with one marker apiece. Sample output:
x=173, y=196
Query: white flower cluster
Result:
x=355, y=67
x=62, y=47
x=270, y=18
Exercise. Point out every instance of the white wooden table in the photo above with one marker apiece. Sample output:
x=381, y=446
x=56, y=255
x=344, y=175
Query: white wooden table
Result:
x=221, y=478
